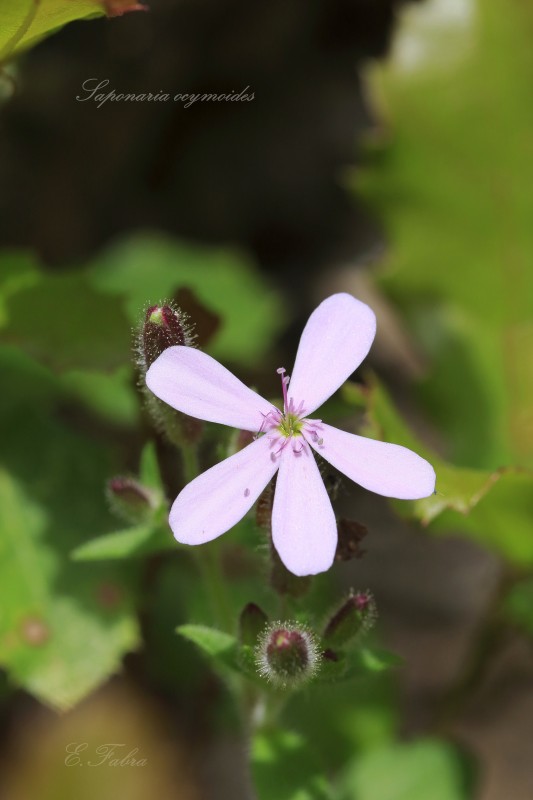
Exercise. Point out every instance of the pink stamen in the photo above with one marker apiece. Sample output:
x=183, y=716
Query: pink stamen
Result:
x=272, y=418
x=284, y=383
x=300, y=450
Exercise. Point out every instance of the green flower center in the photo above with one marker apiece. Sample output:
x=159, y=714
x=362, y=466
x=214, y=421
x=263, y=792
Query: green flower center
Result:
x=290, y=425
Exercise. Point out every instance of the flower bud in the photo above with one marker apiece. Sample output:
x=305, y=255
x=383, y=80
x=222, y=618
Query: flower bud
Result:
x=354, y=618
x=130, y=500
x=252, y=623
x=287, y=654
x=164, y=326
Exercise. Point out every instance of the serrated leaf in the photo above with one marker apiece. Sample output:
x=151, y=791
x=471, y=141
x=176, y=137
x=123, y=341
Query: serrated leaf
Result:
x=493, y=507
x=51, y=499
x=452, y=185
x=43, y=632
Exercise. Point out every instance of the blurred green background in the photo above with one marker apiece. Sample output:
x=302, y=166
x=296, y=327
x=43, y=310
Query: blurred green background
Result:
x=388, y=152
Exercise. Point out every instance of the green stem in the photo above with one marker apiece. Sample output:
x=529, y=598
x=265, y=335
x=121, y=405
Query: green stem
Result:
x=208, y=565
x=191, y=467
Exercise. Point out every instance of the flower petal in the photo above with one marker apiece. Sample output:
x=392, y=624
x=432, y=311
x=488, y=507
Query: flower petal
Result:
x=217, y=499
x=194, y=383
x=337, y=337
x=387, y=469
x=304, y=529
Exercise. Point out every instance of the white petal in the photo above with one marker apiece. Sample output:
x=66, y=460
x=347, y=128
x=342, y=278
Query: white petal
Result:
x=194, y=383
x=387, y=469
x=217, y=499
x=304, y=530
x=337, y=337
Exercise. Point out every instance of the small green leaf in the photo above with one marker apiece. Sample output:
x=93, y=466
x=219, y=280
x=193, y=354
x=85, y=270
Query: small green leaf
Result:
x=377, y=660
x=356, y=664
x=134, y=542
x=149, y=471
x=214, y=643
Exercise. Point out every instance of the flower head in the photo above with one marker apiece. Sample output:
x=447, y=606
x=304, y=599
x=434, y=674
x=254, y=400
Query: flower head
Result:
x=337, y=337
x=287, y=654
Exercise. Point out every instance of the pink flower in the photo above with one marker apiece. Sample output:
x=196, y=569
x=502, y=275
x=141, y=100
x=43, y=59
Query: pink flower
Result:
x=337, y=337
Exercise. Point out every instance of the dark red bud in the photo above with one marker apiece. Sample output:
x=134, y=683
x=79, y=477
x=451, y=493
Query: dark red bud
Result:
x=130, y=500
x=354, y=617
x=163, y=327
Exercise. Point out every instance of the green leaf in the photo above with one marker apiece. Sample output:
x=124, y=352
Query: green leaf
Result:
x=220, y=647
x=149, y=471
x=44, y=631
x=452, y=184
x=64, y=322
x=493, y=507
x=152, y=536
x=222, y=279
x=415, y=771
x=112, y=397
x=18, y=270
x=134, y=542
x=357, y=664
x=26, y=22
x=377, y=660
x=51, y=499
x=285, y=767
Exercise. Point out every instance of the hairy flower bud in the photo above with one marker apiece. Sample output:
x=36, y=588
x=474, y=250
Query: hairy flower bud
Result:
x=287, y=654
x=252, y=623
x=354, y=617
x=130, y=500
x=164, y=326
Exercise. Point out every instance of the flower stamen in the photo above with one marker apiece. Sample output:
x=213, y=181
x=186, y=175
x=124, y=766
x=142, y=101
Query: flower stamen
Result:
x=284, y=383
